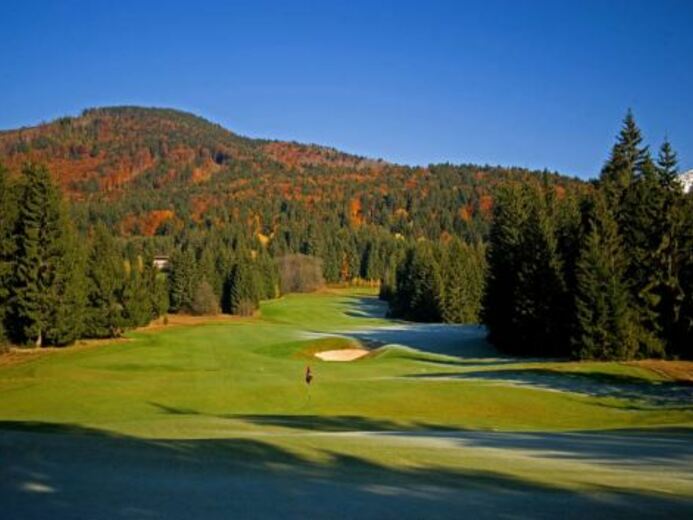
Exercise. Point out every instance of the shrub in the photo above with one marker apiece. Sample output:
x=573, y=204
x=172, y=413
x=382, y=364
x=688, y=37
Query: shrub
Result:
x=300, y=273
x=205, y=302
x=245, y=308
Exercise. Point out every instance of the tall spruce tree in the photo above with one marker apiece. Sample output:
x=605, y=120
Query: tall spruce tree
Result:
x=105, y=281
x=244, y=294
x=268, y=275
x=44, y=266
x=540, y=296
x=66, y=317
x=160, y=295
x=642, y=226
x=510, y=213
x=463, y=283
x=605, y=327
x=667, y=166
x=419, y=292
x=183, y=280
x=673, y=259
x=8, y=216
x=627, y=158
x=137, y=301
x=682, y=324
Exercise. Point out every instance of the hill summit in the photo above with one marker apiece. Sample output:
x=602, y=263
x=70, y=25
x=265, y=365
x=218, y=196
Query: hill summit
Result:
x=140, y=168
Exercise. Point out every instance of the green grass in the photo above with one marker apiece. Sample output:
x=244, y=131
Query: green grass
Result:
x=256, y=367
x=244, y=380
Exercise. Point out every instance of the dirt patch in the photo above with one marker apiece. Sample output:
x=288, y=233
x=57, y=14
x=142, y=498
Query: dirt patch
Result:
x=680, y=371
x=345, y=354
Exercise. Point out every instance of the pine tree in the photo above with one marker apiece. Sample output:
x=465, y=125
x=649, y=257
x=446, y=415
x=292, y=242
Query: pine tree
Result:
x=672, y=258
x=244, y=294
x=332, y=261
x=682, y=323
x=627, y=158
x=69, y=291
x=510, y=213
x=42, y=275
x=269, y=276
x=183, y=280
x=314, y=244
x=642, y=227
x=136, y=297
x=8, y=216
x=105, y=282
x=419, y=292
x=667, y=164
x=541, y=289
x=463, y=283
x=605, y=327
x=160, y=295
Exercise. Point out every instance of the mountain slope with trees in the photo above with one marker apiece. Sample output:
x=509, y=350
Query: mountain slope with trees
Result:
x=553, y=266
x=146, y=171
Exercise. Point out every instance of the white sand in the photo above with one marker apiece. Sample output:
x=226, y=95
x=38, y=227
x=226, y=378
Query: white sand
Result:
x=346, y=354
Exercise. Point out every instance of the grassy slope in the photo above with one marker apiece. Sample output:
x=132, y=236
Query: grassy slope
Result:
x=235, y=390
x=186, y=381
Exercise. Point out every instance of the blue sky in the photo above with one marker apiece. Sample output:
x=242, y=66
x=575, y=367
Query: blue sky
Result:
x=527, y=83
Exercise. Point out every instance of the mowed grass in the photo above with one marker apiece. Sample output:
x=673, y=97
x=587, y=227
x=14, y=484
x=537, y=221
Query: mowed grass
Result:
x=433, y=423
x=247, y=375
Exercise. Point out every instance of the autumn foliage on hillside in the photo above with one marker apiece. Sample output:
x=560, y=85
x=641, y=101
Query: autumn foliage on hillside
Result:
x=149, y=171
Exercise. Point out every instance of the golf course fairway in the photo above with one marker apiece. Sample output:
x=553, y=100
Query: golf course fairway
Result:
x=215, y=420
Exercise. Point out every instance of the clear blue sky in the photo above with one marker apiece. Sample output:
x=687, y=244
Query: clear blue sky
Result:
x=528, y=83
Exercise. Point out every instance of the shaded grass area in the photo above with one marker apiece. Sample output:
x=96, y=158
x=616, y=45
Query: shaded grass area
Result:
x=643, y=391
x=70, y=471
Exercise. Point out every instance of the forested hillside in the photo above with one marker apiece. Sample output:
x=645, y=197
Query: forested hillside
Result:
x=553, y=266
x=151, y=172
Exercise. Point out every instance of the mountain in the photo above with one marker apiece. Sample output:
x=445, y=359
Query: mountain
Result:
x=142, y=169
x=112, y=148
x=686, y=179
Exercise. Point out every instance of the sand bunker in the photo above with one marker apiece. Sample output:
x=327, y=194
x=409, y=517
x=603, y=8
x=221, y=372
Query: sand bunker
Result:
x=346, y=354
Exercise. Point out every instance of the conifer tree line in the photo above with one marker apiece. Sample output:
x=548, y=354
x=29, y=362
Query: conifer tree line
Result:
x=436, y=281
x=600, y=273
x=58, y=285
x=218, y=273
x=55, y=287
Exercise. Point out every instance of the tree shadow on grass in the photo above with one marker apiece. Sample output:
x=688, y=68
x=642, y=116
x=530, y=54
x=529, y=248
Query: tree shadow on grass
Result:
x=461, y=362
x=627, y=446
x=440, y=338
x=311, y=422
x=335, y=423
x=463, y=341
x=662, y=447
x=366, y=307
x=643, y=392
x=69, y=471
